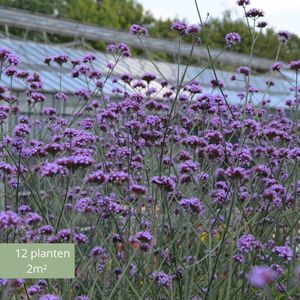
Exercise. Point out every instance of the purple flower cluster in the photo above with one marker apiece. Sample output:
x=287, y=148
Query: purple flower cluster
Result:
x=143, y=239
x=193, y=205
x=183, y=29
x=254, y=13
x=162, y=279
x=246, y=243
x=261, y=276
x=284, y=252
x=138, y=29
x=232, y=38
x=284, y=36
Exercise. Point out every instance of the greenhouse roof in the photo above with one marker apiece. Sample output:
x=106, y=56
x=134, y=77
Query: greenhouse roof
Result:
x=33, y=54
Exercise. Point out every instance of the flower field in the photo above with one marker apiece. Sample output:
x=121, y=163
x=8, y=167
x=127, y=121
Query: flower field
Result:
x=168, y=192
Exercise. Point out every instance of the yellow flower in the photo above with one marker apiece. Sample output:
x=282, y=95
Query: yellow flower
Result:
x=204, y=236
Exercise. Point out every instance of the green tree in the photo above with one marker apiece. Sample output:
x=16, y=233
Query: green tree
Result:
x=120, y=14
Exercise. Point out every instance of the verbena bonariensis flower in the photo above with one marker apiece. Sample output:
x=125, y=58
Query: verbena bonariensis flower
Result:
x=148, y=77
x=97, y=177
x=277, y=66
x=192, y=29
x=180, y=27
x=246, y=243
x=243, y=2
x=232, y=38
x=143, y=239
x=50, y=169
x=138, y=29
x=61, y=59
x=33, y=290
x=284, y=252
x=193, y=205
x=76, y=161
x=261, y=276
x=262, y=24
x=165, y=182
x=33, y=218
x=162, y=279
x=284, y=36
x=294, y=65
x=243, y=70
x=254, y=13
x=9, y=219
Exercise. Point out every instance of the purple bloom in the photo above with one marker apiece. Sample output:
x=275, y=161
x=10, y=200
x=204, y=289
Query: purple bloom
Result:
x=193, y=205
x=239, y=259
x=284, y=36
x=136, y=29
x=33, y=290
x=64, y=235
x=36, y=97
x=243, y=70
x=61, y=59
x=284, y=252
x=124, y=49
x=180, y=27
x=23, y=209
x=33, y=218
x=143, y=239
x=192, y=29
x=138, y=189
x=165, y=182
x=97, y=177
x=11, y=72
x=6, y=168
x=262, y=24
x=13, y=59
x=162, y=279
x=243, y=2
x=148, y=77
x=118, y=177
x=236, y=173
x=246, y=243
x=99, y=253
x=232, y=38
x=76, y=161
x=50, y=169
x=9, y=219
x=188, y=167
x=295, y=65
x=254, y=13
x=47, y=229
x=22, y=130
x=86, y=205
x=61, y=97
x=83, y=93
x=80, y=238
x=89, y=58
x=48, y=60
x=277, y=66
x=261, y=276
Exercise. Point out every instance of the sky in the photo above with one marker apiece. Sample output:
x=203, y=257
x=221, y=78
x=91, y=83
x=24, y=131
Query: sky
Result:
x=280, y=14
